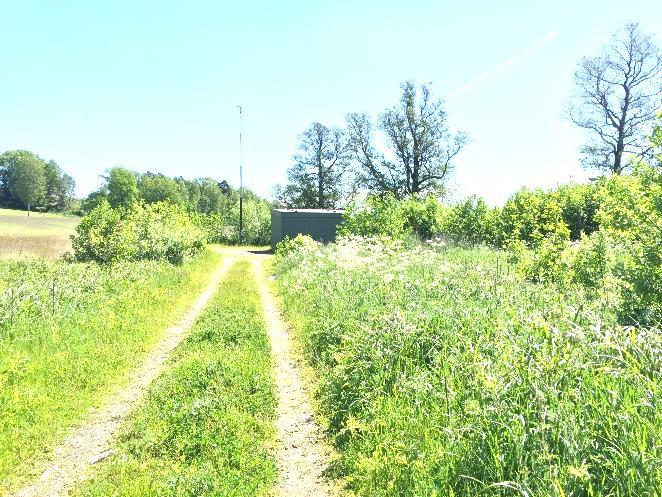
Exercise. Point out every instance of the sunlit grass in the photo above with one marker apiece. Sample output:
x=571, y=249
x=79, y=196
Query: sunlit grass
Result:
x=206, y=427
x=444, y=373
x=69, y=333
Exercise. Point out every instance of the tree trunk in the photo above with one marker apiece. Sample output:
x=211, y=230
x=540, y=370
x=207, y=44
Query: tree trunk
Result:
x=28, y=210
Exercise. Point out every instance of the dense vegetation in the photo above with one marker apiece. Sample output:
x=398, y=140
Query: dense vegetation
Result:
x=28, y=181
x=443, y=371
x=68, y=333
x=141, y=231
x=207, y=423
x=213, y=205
x=604, y=236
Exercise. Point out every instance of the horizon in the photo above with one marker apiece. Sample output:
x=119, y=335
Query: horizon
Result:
x=154, y=87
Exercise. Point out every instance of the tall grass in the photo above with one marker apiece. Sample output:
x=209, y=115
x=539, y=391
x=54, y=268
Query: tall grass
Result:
x=441, y=372
x=207, y=424
x=68, y=333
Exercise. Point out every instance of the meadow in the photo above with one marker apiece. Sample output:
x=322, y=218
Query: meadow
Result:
x=206, y=427
x=40, y=234
x=69, y=333
x=442, y=371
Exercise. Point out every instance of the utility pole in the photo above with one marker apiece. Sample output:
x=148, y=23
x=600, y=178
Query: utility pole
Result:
x=241, y=185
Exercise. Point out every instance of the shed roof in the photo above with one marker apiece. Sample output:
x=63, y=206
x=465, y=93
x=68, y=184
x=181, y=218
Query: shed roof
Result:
x=313, y=211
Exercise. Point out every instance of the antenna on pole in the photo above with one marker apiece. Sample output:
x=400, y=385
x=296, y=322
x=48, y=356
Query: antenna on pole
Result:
x=241, y=184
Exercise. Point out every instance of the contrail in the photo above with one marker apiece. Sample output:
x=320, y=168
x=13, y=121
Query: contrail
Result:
x=515, y=59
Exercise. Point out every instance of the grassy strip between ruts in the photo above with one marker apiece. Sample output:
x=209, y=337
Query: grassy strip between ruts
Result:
x=206, y=427
x=69, y=333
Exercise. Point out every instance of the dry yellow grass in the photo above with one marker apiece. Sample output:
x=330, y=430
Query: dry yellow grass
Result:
x=43, y=235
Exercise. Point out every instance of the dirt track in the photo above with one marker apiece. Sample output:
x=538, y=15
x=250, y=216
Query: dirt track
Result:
x=89, y=442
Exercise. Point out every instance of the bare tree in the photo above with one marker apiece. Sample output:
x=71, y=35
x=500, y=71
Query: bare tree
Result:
x=617, y=96
x=420, y=146
x=317, y=177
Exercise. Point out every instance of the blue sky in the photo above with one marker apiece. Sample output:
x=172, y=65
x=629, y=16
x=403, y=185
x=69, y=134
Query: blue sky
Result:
x=153, y=85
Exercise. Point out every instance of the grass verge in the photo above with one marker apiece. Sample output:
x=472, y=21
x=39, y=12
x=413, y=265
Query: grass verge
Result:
x=206, y=427
x=444, y=373
x=68, y=334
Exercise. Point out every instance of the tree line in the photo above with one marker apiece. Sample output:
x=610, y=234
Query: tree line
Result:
x=616, y=97
x=213, y=205
x=29, y=182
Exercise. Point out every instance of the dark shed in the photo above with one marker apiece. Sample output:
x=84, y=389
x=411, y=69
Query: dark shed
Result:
x=319, y=224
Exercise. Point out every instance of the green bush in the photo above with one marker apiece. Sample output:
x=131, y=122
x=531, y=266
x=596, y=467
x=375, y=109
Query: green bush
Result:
x=388, y=217
x=159, y=231
x=472, y=222
x=579, y=204
x=531, y=216
x=631, y=215
x=223, y=227
x=299, y=242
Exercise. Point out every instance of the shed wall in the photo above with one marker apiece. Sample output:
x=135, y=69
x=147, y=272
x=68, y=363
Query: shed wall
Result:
x=320, y=225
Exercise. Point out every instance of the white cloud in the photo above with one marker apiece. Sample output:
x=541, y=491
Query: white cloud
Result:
x=510, y=62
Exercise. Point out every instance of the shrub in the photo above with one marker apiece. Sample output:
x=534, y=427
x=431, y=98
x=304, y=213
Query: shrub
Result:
x=223, y=227
x=153, y=232
x=579, y=204
x=531, y=216
x=388, y=217
x=299, y=242
x=104, y=236
x=472, y=222
x=631, y=215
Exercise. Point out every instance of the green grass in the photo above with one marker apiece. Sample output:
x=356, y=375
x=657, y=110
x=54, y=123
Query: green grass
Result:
x=206, y=427
x=40, y=234
x=70, y=332
x=444, y=373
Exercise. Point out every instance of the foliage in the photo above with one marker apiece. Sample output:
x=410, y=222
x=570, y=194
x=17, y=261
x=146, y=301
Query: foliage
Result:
x=223, y=227
x=317, y=179
x=28, y=179
x=579, y=204
x=213, y=205
x=287, y=245
x=631, y=215
x=446, y=373
x=420, y=147
x=69, y=334
x=145, y=231
x=154, y=188
x=530, y=216
x=122, y=188
x=25, y=178
x=387, y=216
x=472, y=222
x=206, y=427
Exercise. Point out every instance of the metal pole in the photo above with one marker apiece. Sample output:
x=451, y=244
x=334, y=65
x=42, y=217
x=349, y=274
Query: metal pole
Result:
x=241, y=185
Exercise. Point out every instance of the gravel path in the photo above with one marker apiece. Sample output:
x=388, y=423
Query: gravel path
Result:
x=301, y=457
x=88, y=443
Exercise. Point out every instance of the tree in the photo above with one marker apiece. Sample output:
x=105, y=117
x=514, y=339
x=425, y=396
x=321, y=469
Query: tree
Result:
x=159, y=188
x=421, y=147
x=59, y=187
x=122, y=187
x=617, y=96
x=317, y=177
x=28, y=179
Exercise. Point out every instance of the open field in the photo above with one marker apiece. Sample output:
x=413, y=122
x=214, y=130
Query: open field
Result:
x=443, y=372
x=69, y=334
x=40, y=234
